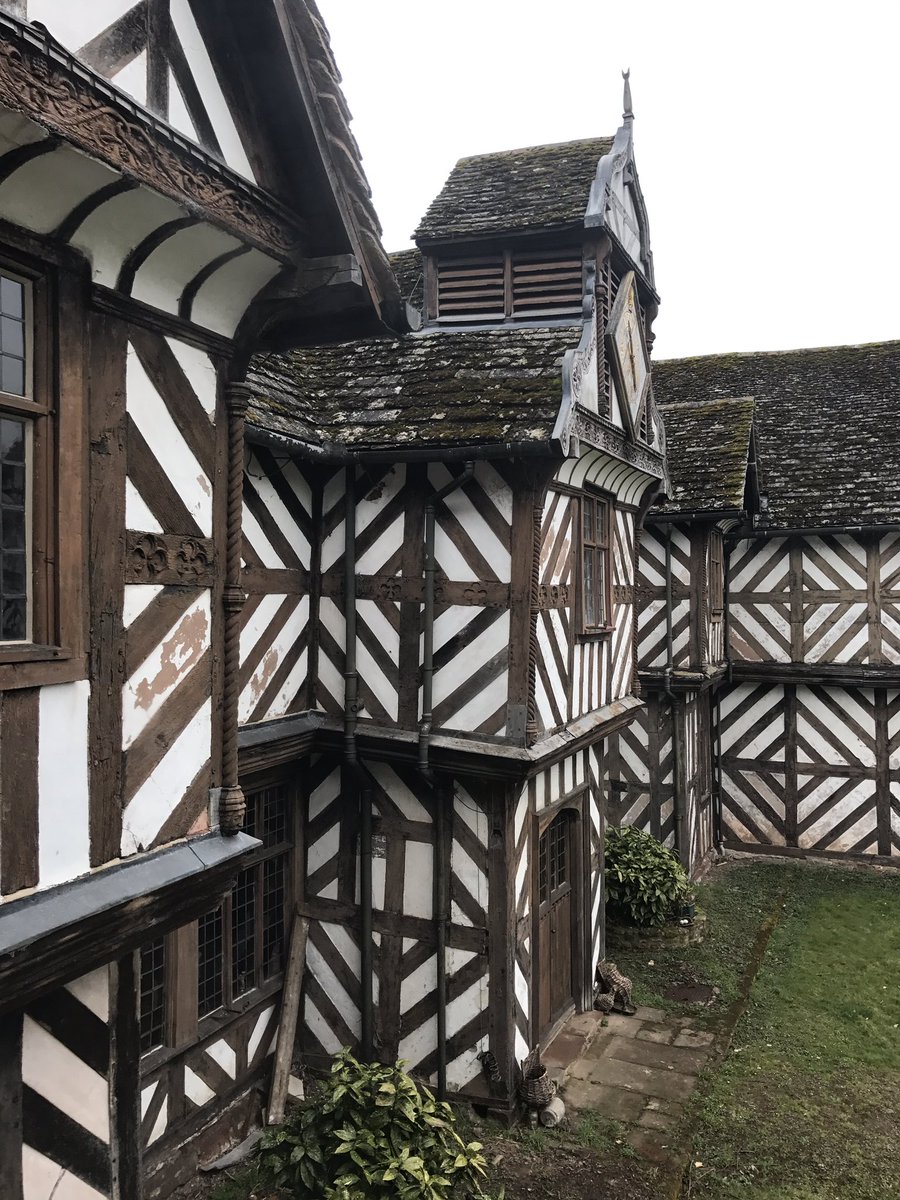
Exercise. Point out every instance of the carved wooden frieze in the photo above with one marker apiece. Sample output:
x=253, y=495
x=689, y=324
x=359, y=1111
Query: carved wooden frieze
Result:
x=554, y=595
x=40, y=79
x=596, y=432
x=387, y=589
x=168, y=558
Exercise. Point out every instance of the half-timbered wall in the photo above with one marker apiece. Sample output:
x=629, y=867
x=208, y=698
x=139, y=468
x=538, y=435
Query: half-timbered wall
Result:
x=813, y=765
x=170, y=603
x=577, y=673
x=821, y=599
x=404, y=919
x=643, y=765
x=697, y=632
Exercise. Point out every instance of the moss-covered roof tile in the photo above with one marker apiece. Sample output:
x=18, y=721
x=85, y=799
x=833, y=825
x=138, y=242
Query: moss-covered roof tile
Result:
x=707, y=442
x=535, y=188
x=437, y=389
x=827, y=428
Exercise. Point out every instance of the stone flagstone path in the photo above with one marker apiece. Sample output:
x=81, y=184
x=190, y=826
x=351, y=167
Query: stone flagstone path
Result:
x=639, y=1070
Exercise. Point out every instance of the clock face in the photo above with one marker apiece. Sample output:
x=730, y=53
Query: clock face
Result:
x=628, y=351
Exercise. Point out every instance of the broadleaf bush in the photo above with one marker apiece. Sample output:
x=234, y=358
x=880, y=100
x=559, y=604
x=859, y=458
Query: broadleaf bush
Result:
x=371, y=1133
x=645, y=882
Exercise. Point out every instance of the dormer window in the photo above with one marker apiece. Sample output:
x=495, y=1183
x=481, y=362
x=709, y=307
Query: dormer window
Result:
x=509, y=285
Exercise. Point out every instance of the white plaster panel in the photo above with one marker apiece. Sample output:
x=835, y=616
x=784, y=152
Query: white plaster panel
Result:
x=113, y=230
x=132, y=79
x=171, y=267
x=224, y=298
x=220, y=1052
x=93, y=992
x=208, y=85
x=138, y=596
x=159, y=795
x=179, y=117
x=43, y=1179
x=258, y=622
x=273, y=656
x=64, y=1080
x=41, y=193
x=76, y=24
x=137, y=513
x=418, y=880
x=157, y=677
x=64, y=837
x=165, y=440
x=196, y=1090
x=200, y=371
x=320, y=1028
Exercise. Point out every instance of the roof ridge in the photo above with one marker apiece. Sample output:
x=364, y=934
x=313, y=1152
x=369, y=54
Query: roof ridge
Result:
x=585, y=141
x=893, y=343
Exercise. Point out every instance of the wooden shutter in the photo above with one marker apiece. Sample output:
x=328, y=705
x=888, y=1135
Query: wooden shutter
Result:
x=547, y=283
x=471, y=288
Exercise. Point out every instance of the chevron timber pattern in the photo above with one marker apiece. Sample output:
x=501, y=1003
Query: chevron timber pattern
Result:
x=171, y=408
x=651, y=597
x=405, y=940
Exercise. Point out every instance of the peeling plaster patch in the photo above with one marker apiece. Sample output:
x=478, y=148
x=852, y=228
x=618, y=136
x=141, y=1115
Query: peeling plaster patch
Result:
x=204, y=484
x=201, y=825
x=179, y=653
x=264, y=673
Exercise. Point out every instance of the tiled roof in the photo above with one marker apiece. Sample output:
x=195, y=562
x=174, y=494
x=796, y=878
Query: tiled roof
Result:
x=827, y=428
x=707, y=442
x=407, y=265
x=438, y=389
x=539, y=187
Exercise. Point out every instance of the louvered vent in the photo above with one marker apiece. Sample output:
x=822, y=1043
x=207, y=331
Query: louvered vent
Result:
x=471, y=288
x=546, y=284
x=507, y=286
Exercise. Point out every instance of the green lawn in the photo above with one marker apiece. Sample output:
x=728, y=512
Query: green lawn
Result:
x=807, y=1104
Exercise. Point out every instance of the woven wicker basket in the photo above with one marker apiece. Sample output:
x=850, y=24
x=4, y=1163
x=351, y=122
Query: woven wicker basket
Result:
x=538, y=1090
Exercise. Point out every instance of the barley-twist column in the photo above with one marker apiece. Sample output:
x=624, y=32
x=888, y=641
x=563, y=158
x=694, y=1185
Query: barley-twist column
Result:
x=232, y=806
x=531, y=724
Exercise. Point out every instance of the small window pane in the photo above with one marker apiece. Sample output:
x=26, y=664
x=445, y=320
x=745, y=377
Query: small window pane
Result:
x=590, y=591
x=588, y=520
x=14, y=621
x=12, y=375
x=274, y=813
x=13, y=532
x=243, y=933
x=211, y=955
x=12, y=337
x=273, y=916
x=12, y=440
x=601, y=588
x=12, y=297
x=153, y=995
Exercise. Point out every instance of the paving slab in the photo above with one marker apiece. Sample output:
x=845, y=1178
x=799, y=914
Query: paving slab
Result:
x=694, y=1038
x=616, y=1104
x=652, y=1118
x=660, y=1034
x=658, y=1015
x=651, y=1054
x=619, y=1023
x=649, y=1081
x=564, y=1049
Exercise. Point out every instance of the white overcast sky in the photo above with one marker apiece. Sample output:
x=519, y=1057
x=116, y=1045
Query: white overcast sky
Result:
x=767, y=138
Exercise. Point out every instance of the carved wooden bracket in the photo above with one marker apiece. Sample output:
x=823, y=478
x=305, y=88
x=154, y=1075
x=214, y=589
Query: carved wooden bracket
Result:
x=554, y=595
x=168, y=558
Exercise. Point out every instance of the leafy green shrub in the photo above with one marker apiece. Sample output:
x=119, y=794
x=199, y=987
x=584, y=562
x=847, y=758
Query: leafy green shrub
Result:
x=645, y=882
x=370, y=1133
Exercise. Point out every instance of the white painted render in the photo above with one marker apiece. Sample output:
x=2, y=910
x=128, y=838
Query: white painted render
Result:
x=63, y=817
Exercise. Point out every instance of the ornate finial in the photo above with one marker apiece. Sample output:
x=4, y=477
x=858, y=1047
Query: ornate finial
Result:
x=627, y=114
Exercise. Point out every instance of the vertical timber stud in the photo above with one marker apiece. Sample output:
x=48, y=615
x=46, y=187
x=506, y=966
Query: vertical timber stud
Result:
x=106, y=575
x=11, y=1105
x=232, y=805
x=501, y=934
x=790, y=764
x=125, y=1079
x=521, y=721
x=882, y=774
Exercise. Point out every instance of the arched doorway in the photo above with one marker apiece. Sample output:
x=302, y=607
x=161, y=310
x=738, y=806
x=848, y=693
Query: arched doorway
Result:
x=556, y=913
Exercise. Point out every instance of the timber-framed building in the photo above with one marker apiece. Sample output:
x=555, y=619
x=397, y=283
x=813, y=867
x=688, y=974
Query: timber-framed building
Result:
x=368, y=589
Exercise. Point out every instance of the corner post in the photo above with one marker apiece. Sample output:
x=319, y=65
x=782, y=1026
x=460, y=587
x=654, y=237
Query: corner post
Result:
x=232, y=806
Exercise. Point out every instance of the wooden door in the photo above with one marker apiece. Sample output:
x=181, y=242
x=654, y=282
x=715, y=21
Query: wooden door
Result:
x=555, y=918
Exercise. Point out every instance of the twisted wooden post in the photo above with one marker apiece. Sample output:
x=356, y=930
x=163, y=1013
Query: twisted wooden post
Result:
x=531, y=724
x=232, y=805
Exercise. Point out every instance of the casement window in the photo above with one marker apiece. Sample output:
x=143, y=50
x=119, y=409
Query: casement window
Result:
x=23, y=415
x=509, y=285
x=596, y=591
x=153, y=996
x=716, y=575
x=42, y=483
x=241, y=945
